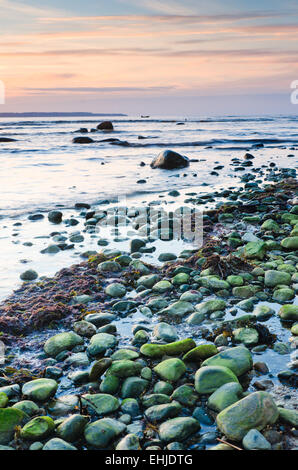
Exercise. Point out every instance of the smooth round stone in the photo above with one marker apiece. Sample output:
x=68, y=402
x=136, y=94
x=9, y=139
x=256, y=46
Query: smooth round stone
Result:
x=62, y=342
x=63, y=405
x=148, y=281
x=263, y=312
x=58, y=444
x=38, y=428
x=129, y=442
x=100, y=342
x=235, y=281
x=210, y=378
x=179, y=279
x=154, y=399
x=163, y=388
x=210, y=306
x=191, y=296
x=101, y=403
x=124, y=368
x=3, y=400
x=185, y=395
x=254, y=440
x=247, y=336
x=178, y=309
x=225, y=396
x=170, y=369
x=130, y=406
x=100, y=433
x=165, y=332
x=29, y=275
x=275, y=278
x=283, y=295
x=178, y=429
x=109, y=384
x=84, y=328
x=158, y=413
x=255, y=411
x=115, y=290
x=167, y=257
x=72, y=428
x=123, y=354
x=40, y=389
x=26, y=406
x=55, y=216
x=294, y=329
x=9, y=419
x=133, y=387
x=109, y=266
x=289, y=312
x=238, y=359
x=162, y=286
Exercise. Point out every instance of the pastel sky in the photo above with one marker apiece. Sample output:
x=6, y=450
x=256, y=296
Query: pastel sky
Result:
x=149, y=56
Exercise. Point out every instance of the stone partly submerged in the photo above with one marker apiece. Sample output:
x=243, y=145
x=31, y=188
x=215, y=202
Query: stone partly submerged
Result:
x=169, y=160
x=256, y=411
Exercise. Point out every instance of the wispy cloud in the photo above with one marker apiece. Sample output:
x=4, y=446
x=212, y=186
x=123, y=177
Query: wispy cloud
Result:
x=102, y=89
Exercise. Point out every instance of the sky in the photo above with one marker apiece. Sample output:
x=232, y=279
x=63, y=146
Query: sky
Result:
x=149, y=56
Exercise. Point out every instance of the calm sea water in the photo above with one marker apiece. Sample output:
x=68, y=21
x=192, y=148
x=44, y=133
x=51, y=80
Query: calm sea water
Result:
x=43, y=169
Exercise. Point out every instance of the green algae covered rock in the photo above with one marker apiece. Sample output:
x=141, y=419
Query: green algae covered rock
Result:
x=254, y=440
x=210, y=306
x=100, y=342
x=200, y=353
x=101, y=403
x=40, y=389
x=170, y=349
x=158, y=413
x=100, y=433
x=289, y=312
x=247, y=336
x=255, y=250
x=275, y=278
x=133, y=387
x=290, y=243
x=38, y=428
x=178, y=429
x=225, y=396
x=58, y=444
x=9, y=419
x=288, y=416
x=124, y=368
x=210, y=378
x=238, y=359
x=178, y=309
x=62, y=342
x=170, y=369
x=255, y=411
x=3, y=400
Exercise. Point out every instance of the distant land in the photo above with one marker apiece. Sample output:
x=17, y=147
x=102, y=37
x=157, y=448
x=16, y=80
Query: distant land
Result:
x=73, y=114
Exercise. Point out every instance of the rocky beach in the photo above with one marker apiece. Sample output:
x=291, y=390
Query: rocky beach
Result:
x=123, y=336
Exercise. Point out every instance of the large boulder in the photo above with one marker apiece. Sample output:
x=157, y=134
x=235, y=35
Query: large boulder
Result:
x=105, y=126
x=169, y=160
x=255, y=411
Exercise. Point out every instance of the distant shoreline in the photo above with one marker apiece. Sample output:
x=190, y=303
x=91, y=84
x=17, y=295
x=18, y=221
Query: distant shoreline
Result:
x=4, y=115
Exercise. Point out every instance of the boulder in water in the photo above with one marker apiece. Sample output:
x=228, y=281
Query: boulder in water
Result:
x=83, y=140
x=169, y=160
x=105, y=126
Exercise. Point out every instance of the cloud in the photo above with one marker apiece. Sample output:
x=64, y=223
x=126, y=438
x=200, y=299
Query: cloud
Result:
x=148, y=89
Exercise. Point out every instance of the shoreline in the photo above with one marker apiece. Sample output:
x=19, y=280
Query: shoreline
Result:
x=218, y=296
